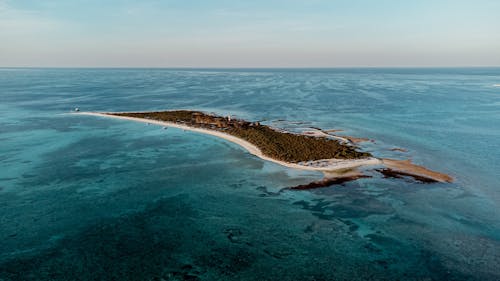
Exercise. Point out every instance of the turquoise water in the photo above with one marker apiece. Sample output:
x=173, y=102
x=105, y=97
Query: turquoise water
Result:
x=86, y=198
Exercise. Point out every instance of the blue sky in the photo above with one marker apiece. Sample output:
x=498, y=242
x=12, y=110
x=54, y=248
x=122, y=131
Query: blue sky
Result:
x=232, y=33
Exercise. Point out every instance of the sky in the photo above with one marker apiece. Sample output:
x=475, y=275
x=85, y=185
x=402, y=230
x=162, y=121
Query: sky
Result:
x=253, y=33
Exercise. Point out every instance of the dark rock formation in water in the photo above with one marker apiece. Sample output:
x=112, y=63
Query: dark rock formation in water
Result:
x=327, y=182
x=390, y=173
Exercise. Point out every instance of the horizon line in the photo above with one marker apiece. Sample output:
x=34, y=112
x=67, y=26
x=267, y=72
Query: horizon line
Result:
x=240, y=67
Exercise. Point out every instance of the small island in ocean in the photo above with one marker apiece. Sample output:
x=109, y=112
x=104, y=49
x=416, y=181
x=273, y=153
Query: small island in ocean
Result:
x=338, y=158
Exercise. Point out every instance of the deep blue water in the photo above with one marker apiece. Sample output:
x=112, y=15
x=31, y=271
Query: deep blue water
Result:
x=85, y=198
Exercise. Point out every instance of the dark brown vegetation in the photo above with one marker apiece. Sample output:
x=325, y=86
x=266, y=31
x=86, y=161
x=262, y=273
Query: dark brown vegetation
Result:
x=283, y=146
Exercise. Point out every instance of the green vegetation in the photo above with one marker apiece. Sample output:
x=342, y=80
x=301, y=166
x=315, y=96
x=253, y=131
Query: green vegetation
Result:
x=283, y=146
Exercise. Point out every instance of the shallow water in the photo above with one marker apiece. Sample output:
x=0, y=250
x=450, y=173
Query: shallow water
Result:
x=90, y=198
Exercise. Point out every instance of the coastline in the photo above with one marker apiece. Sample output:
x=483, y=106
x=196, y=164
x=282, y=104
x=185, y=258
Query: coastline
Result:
x=332, y=169
x=326, y=165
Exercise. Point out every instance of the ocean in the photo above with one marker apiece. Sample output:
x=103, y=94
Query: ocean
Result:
x=88, y=198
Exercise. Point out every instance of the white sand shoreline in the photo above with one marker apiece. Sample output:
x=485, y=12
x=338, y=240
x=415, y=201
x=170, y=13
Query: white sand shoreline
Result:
x=326, y=165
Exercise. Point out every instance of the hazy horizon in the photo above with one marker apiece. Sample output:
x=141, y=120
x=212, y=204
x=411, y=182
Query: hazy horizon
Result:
x=252, y=67
x=256, y=34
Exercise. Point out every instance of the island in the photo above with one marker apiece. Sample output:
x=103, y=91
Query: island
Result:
x=337, y=157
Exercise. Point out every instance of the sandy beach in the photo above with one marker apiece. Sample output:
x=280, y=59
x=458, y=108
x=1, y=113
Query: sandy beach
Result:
x=407, y=166
x=326, y=165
